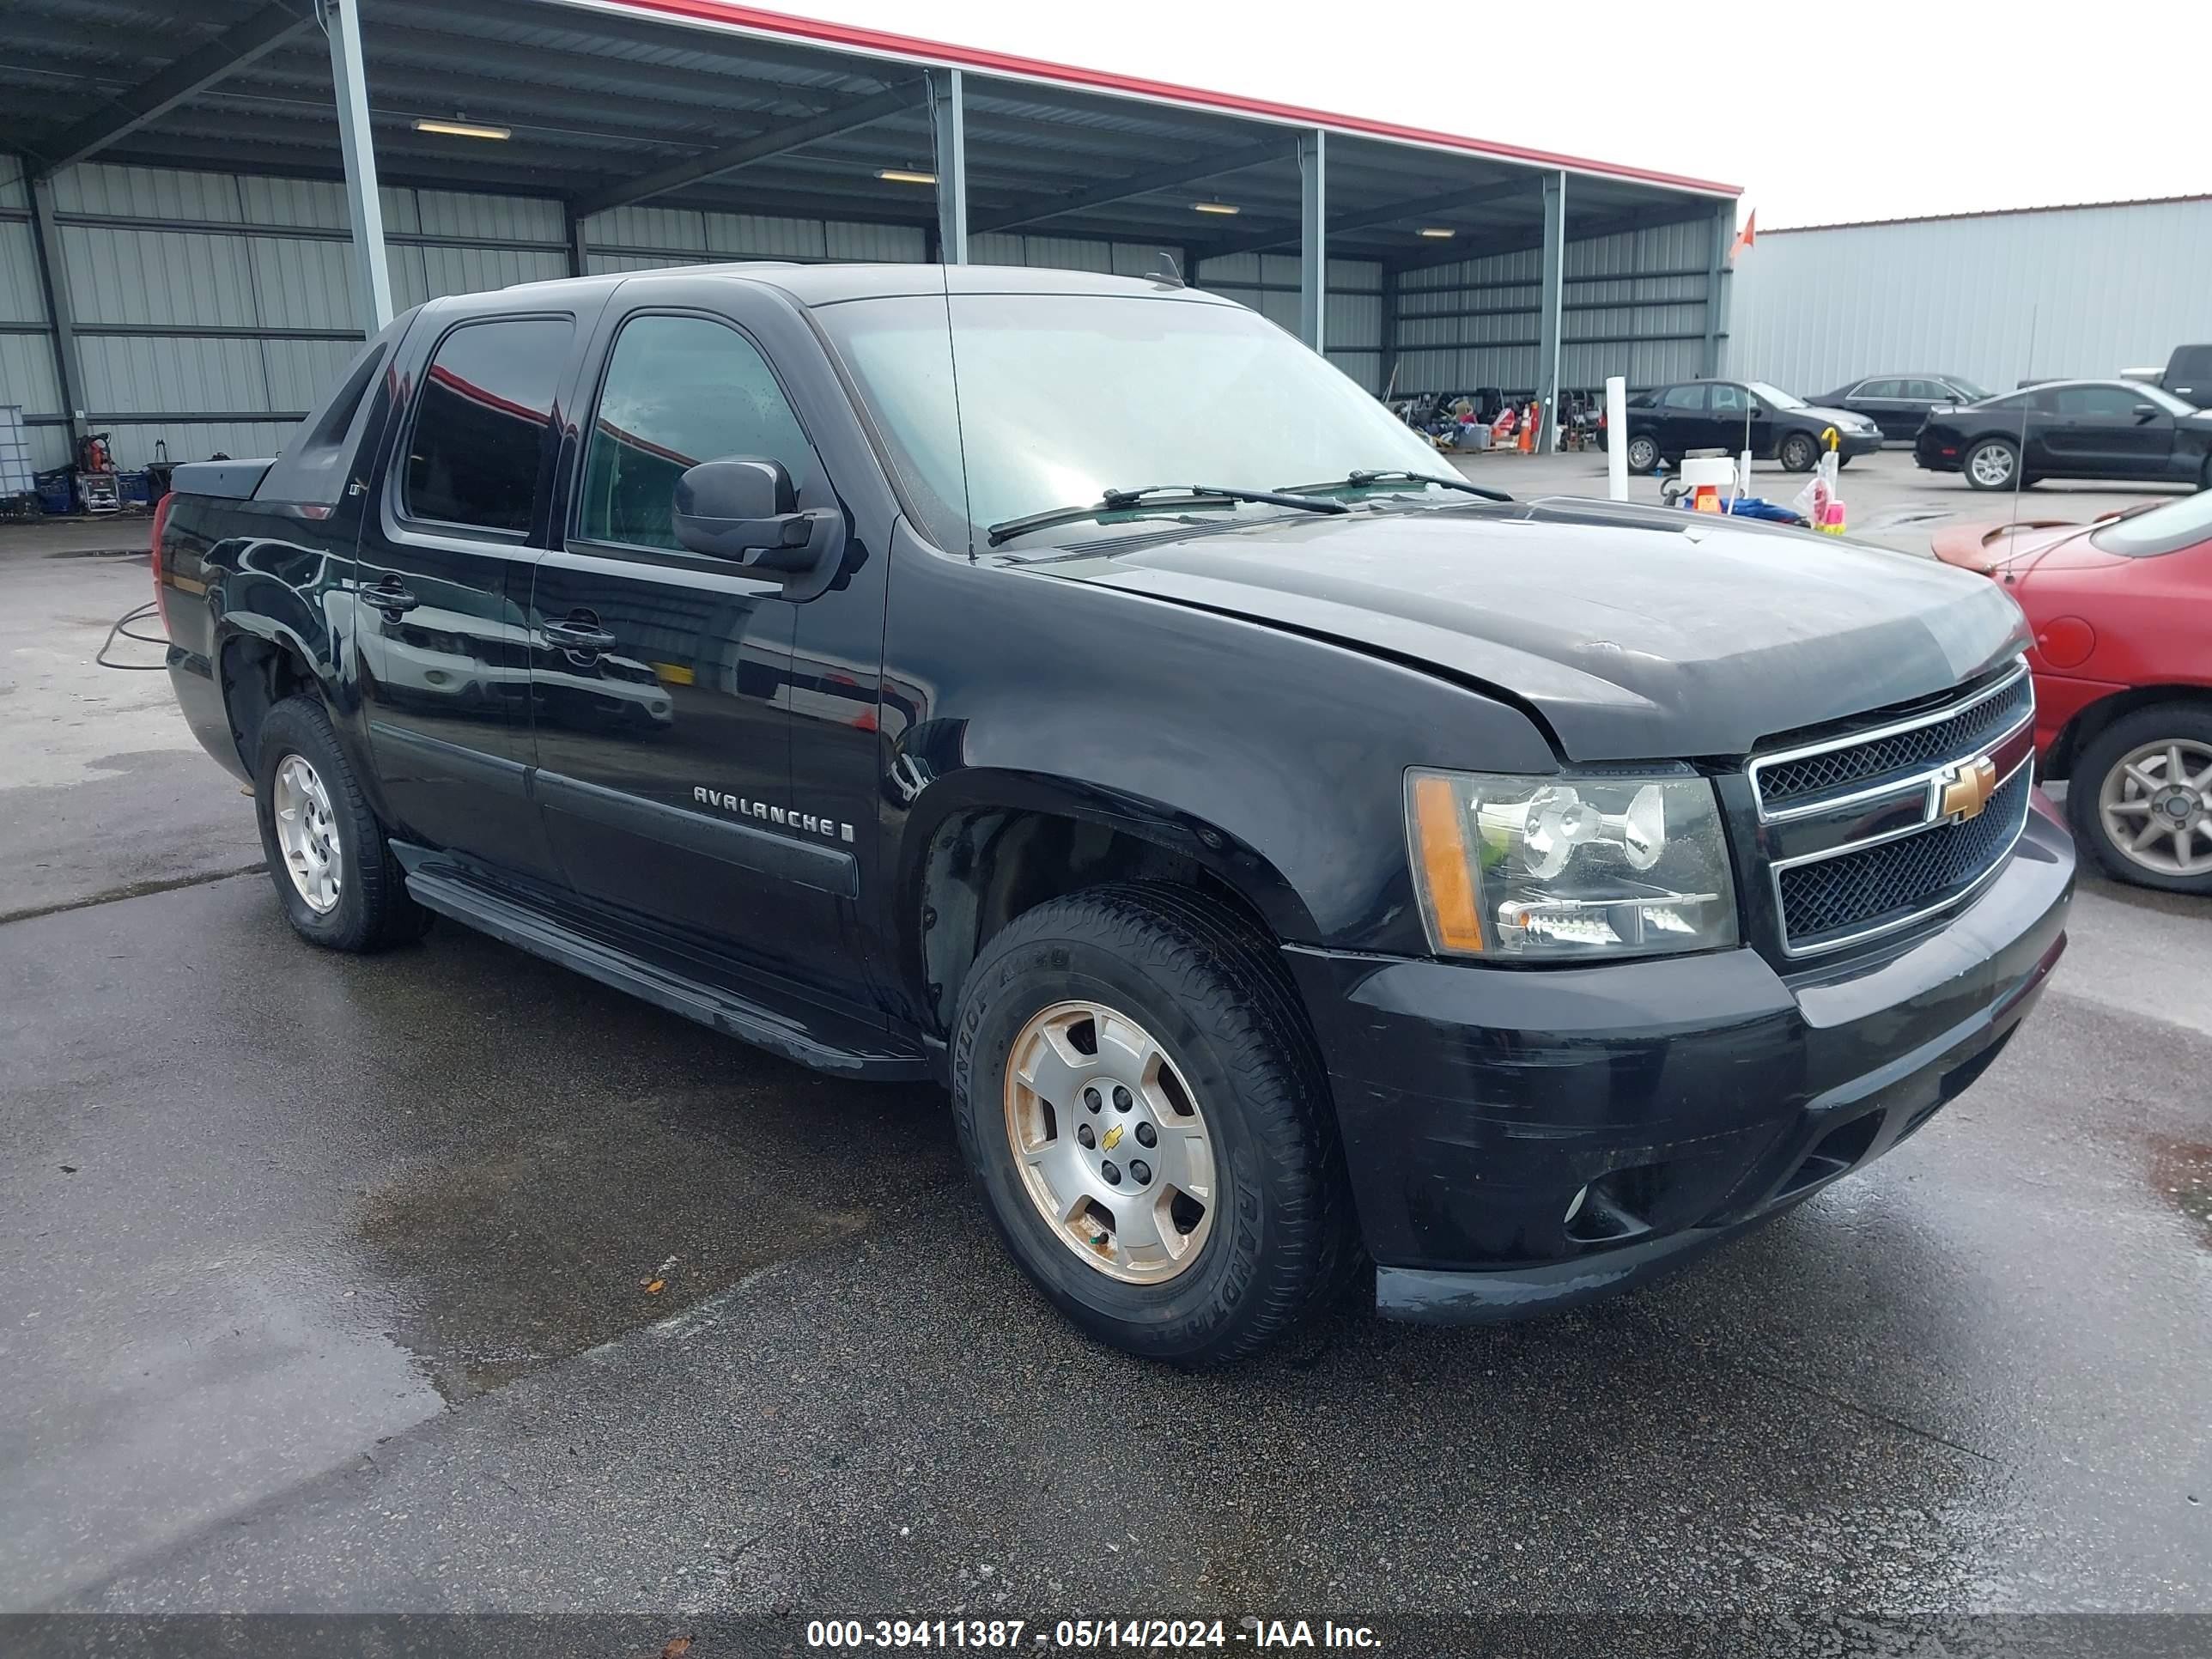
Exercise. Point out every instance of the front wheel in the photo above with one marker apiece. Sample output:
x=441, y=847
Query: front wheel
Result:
x=1798, y=453
x=1992, y=464
x=1143, y=1110
x=2141, y=798
x=1643, y=454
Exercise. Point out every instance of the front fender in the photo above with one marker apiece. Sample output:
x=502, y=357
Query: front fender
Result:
x=1276, y=760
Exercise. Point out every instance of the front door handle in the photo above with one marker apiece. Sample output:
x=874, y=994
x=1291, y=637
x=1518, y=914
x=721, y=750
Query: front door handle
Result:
x=389, y=597
x=578, y=635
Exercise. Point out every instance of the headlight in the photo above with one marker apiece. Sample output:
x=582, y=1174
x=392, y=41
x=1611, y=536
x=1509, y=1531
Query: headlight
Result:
x=1539, y=869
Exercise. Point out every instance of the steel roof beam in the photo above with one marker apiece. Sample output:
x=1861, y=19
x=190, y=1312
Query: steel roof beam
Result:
x=195, y=71
x=1193, y=170
x=1421, y=207
x=1649, y=218
x=714, y=163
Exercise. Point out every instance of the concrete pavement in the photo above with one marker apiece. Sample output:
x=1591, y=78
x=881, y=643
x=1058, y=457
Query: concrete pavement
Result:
x=324, y=1285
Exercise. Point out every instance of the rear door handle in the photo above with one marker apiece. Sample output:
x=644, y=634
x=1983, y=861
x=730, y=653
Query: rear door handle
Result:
x=578, y=636
x=389, y=597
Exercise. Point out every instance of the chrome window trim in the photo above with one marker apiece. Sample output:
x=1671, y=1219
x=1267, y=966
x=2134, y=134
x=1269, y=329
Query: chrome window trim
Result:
x=1899, y=923
x=1875, y=734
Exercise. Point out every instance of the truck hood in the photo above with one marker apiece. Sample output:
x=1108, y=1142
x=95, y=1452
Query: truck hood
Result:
x=1633, y=633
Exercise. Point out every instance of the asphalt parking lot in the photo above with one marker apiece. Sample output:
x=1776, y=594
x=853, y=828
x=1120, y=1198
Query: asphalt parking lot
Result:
x=325, y=1285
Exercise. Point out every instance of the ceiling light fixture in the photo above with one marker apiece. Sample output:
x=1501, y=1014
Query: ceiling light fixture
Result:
x=459, y=129
x=1439, y=232
x=1215, y=207
x=905, y=176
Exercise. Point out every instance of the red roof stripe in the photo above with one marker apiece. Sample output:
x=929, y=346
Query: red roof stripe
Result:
x=881, y=43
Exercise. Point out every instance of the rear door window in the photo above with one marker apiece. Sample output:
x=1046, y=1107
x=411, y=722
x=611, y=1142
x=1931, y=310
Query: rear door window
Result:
x=1880, y=389
x=1684, y=399
x=478, y=446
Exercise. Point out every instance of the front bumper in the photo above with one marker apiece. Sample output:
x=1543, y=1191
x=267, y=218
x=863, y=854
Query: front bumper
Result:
x=1686, y=1099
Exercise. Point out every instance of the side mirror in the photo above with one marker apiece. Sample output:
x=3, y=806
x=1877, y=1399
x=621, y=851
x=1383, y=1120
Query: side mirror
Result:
x=745, y=509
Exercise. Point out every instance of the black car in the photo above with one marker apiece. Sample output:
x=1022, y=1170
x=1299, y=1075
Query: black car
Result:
x=1899, y=402
x=2071, y=429
x=1668, y=421
x=1285, y=851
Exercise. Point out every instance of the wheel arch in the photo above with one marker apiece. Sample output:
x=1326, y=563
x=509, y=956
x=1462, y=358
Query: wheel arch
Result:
x=2088, y=724
x=257, y=667
x=985, y=845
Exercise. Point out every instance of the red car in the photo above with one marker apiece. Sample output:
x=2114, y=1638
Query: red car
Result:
x=2121, y=611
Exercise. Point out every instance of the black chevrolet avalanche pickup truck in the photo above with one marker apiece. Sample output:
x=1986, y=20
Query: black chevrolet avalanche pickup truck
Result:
x=1073, y=689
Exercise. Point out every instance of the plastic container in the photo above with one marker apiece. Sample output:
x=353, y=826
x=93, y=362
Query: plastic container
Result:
x=56, y=493
x=136, y=487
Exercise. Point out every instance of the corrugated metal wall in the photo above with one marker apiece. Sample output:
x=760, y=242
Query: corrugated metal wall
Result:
x=1634, y=306
x=26, y=342
x=642, y=238
x=1815, y=308
x=1351, y=325
x=211, y=308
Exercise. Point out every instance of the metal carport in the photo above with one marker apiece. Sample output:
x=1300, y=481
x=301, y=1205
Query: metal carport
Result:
x=181, y=241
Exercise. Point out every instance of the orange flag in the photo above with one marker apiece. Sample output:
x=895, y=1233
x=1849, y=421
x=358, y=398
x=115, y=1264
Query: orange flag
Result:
x=1747, y=236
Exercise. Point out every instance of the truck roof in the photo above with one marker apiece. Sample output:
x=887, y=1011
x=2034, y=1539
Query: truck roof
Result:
x=828, y=284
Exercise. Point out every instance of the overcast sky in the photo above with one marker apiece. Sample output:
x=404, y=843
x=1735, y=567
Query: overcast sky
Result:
x=1895, y=109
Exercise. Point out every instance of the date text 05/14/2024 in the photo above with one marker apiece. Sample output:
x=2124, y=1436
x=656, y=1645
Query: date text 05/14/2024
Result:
x=1089, y=1634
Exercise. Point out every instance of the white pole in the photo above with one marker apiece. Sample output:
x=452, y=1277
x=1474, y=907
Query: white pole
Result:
x=1616, y=429
x=364, y=206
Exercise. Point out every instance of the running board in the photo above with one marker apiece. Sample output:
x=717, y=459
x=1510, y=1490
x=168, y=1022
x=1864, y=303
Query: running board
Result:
x=441, y=887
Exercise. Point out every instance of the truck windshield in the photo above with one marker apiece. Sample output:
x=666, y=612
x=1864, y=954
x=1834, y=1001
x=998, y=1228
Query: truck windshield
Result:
x=999, y=406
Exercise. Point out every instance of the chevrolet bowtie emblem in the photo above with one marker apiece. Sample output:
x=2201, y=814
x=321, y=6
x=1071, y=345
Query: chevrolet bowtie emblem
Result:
x=1963, y=790
x=1111, y=1138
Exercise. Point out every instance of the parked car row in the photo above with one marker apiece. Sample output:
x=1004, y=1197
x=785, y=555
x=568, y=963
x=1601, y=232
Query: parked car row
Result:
x=2116, y=429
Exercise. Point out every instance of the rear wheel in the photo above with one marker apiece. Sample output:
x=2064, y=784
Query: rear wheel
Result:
x=1798, y=453
x=2141, y=797
x=332, y=867
x=1992, y=464
x=1138, y=1098
x=1643, y=453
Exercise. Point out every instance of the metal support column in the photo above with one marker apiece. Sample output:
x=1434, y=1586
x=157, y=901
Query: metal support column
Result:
x=1386, y=370
x=364, y=207
x=1717, y=291
x=945, y=122
x=572, y=226
x=1313, y=236
x=53, y=277
x=1550, y=305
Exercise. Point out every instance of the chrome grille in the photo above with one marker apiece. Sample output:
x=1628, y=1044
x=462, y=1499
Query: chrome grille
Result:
x=1854, y=890
x=1867, y=831
x=1788, y=782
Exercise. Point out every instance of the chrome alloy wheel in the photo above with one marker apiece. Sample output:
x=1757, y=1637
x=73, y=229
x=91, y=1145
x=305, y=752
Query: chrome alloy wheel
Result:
x=307, y=832
x=2156, y=805
x=1112, y=1147
x=1991, y=465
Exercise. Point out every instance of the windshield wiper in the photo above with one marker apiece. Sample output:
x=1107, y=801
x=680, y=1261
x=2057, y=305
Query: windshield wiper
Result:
x=1121, y=501
x=1375, y=474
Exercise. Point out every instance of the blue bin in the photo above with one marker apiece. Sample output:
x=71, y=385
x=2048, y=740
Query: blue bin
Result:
x=136, y=489
x=56, y=493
